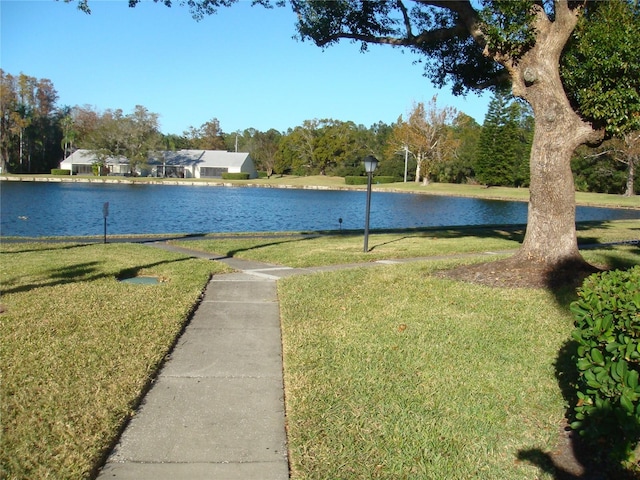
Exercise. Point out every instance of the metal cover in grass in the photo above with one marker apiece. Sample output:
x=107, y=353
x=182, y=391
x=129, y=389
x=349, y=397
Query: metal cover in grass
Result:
x=142, y=280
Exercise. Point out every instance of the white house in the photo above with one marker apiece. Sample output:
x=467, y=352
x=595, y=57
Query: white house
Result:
x=182, y=163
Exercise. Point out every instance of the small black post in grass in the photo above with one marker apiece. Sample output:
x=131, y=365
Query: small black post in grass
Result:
x=370, y=164
x=340, y=222
x=105, y=214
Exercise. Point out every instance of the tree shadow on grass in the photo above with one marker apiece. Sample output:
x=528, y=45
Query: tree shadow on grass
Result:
x=78, y=272
x=616, y=262
x=573, y=458
x=51, y=247
x=257, y=246
x=513, y=233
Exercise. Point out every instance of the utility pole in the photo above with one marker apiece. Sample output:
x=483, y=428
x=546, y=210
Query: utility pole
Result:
x=406, y=157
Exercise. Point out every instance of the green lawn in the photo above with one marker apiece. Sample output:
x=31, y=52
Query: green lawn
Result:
x=394, y=373
x=77, y=347
x=343, y=248
x=390, y=372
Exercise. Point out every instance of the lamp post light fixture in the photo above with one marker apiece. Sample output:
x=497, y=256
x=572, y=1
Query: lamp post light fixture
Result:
x=370, y=164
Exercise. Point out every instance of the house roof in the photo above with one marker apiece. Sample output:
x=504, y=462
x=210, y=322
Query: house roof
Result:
x=202, y=158
x=87, y=157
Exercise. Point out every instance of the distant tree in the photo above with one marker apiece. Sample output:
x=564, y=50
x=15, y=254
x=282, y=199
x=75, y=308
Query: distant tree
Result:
x=141, y=137
x=7, y=105
x=86, y=119
x=241, y=141
x=427, y=136
x=69, y=134
x=330, y=147
x=266, y=145
x=297, y=152
x=597, y=170
x=459, y=168
x=370, y=141
x=45, y=131
x=208, y=136
x=610, y=168
x=29, y=124
x=102, y=135
x=339, y=147
x=173, y=142
x=134, y=136
x=505, y=141
x=284, y=157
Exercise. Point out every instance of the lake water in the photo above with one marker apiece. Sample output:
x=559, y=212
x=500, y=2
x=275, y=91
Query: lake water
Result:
x=36, y=209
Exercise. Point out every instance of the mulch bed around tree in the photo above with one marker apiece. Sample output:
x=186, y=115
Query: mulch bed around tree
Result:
x=511, y=273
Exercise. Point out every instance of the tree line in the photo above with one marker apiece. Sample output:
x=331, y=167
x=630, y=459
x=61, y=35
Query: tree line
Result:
x=428, y=143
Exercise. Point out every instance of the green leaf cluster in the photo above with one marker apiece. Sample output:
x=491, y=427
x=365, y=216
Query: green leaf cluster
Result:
x=508, y=25
x=601, y=66
x=607, y=331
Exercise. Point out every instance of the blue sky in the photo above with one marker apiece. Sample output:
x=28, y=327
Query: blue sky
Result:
x=241, y=66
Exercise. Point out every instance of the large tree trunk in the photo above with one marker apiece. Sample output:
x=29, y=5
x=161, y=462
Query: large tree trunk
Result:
x=550, y=239
x=551, y=232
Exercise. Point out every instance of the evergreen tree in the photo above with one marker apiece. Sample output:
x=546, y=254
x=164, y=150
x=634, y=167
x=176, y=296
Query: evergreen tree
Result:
x=505, y=143
x=494, y=154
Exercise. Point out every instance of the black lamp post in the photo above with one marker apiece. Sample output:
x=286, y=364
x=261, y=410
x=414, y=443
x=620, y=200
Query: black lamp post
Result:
x=370, y=164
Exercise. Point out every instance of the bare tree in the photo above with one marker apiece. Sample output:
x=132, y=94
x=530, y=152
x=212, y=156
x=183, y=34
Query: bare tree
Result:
x=427, y=135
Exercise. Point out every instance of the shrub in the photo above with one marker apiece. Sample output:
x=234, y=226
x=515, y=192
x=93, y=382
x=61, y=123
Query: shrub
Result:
x=99, y=169
x=385, y=179
x=360, y=180
x=60, y=171
x=235, y=176
x=355, y=180
x=607, y=321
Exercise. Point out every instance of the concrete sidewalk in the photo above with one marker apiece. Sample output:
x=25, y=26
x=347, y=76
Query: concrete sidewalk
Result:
x=216, y=410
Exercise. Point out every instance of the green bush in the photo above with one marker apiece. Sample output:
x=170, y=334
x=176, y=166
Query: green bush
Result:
x=60, y=171
x=360, y=180
x=384, y=179
x=353, y=180
x=99, y=169
x=607, y=321
x=235, y=176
